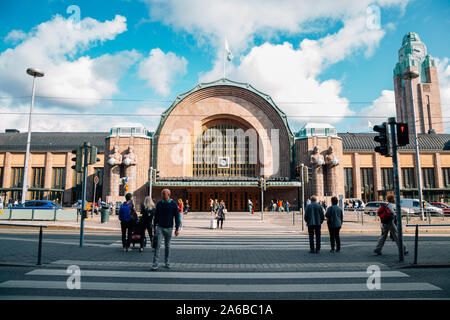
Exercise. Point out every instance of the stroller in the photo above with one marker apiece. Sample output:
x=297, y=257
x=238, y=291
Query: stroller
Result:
x=138, y=232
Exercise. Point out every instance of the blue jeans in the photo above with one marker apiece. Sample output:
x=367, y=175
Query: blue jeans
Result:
x=250, y=208
x=181, y=220
x=159, y=234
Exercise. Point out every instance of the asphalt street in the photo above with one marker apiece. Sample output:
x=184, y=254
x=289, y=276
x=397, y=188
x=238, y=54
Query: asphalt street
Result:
x=218, y=266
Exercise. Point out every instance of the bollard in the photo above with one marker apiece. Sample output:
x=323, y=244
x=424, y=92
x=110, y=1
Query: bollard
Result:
x=32, y=214
x=429, y=217
x=54, y=215
x=40, y=247
x=362, y=217
x=416, y=244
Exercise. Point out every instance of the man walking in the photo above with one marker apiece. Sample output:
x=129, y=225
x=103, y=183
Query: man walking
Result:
x=387, y=216
x=127, y=213
x=334, y=221
x=314, y=218
x=165, y=214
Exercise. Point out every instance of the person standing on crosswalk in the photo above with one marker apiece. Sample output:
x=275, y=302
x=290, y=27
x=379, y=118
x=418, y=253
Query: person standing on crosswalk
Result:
x=165, y=214
x=334, y=221
x=221, y=214
x=314, y=218
x=127, y=215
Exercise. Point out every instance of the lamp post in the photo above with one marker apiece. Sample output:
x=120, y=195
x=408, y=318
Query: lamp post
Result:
x=410, y=75
x=34, y=73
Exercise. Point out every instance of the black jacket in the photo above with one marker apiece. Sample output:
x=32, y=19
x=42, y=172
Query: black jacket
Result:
x=165, y=213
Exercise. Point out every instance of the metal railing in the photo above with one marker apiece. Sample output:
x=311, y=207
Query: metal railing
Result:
x=40, y=236
x=416, y=238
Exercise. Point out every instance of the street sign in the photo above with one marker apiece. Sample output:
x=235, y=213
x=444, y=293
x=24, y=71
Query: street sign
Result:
x=96, y=179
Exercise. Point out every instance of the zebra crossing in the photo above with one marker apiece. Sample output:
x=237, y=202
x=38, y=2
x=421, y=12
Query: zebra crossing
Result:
x=50, y=283
x=299, y=242
x=113, y=279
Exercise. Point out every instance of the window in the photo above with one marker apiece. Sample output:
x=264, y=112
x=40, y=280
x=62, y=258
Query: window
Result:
x=387, y=178
x=408, y=178
x=348, y=182
x=367, y=187
x=16, y=177
x=59, y=178
x=445, y=177
x=37, y=181
x=1, y=177
x=428, y=178
x=225, y=140
x=38, y=175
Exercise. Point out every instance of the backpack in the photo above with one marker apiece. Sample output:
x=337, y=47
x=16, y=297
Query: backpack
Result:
x=385, y=214
x=125, y=211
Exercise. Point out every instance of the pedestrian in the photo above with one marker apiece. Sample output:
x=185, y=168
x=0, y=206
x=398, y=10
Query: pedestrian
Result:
x=387, y=216
x=99, y=204
x=287, y=206
x=181, y=209
x=335, y=218
x=127, y=214
x=186, y=207
x=16, y=203
x=280, y=205
x=271, y=205
x=314, y=218
x=211, y=205
x=215, y=206
x=250, y=206
x=165, y=214
x=221, y=212
x=1, y=203
x=147, y=216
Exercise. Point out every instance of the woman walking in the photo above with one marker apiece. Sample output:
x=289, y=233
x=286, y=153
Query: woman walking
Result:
x=221, y=214
x=147, y=215
x=334, y=221
x=180, y=209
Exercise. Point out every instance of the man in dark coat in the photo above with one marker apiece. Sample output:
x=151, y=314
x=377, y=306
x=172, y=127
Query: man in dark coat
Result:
x=314, y=218
x=334, y=221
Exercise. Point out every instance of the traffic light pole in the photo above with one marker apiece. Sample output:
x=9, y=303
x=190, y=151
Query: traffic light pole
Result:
x=397, y=189
x=86, y=146
x=303, y=197
x=262, y=199
x=150, y=183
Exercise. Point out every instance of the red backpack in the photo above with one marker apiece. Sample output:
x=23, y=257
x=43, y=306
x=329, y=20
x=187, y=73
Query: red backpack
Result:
x=386, y=216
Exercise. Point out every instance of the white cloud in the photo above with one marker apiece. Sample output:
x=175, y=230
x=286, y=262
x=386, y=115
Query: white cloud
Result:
x=159, y=70
x=241, y=20
x=54, y=46
x=15, y=36
x=383, y=106
x=443, y=67
x=291, y=76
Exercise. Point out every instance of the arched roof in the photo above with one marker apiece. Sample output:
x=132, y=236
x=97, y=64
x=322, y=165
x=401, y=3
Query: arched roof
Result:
x=223, y=82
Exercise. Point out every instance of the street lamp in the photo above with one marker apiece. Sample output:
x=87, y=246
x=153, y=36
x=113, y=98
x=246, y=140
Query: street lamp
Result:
x=410, y=75
x=34, y=73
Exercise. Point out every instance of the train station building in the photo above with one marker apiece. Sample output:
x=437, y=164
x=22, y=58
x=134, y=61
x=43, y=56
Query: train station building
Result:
x=219, y=139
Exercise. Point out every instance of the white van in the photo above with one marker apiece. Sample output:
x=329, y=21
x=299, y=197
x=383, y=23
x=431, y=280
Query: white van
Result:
x=413, y=206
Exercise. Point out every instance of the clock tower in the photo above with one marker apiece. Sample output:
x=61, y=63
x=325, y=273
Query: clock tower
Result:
x=413, y=56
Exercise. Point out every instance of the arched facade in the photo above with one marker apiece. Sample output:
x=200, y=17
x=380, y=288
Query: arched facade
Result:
x=223, y=102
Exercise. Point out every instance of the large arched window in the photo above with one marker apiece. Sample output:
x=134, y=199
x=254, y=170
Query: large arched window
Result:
x=225, y=149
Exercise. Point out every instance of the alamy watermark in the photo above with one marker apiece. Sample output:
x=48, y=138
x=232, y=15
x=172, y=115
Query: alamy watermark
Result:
x=74, y=280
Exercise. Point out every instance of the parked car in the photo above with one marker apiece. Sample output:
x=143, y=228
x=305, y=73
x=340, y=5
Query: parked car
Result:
x=372, y=207
x=445, y=207
x=413, y=205
x=38, y=204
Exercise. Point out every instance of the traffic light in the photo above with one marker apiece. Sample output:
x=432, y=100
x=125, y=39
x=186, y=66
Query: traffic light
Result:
x=93, y=156
x=383, y=139
x=298, y=172
x=126, y=188
x=155, y=175
x=78, y=159
x=402, y=134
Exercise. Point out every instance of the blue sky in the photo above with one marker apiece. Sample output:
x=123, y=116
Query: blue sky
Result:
x=156, y=50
